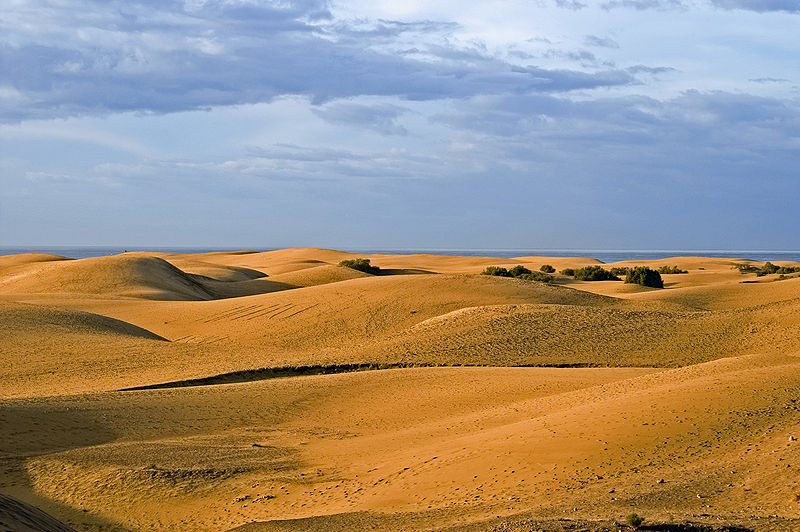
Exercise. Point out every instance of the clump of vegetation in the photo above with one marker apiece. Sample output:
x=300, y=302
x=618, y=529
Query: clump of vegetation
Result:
x=746, y=268
x=619, y=270
x=518, y=272
x=497, y=271
x=594, y=273
x=767, y=269
x=536, y=276
x=635, y=520
x=361, y=265
x=670, y=270
x=568, y=271
x=546, y=268
x=644, y=276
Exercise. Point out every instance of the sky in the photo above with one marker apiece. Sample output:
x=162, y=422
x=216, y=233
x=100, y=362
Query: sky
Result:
x=615, y=124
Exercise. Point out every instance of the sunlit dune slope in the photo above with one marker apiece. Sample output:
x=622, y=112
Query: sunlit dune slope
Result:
x=48, y=350
x=567, y=335
x=317, y=275
x=292, y=259
x=135, y=275
x=120, y=275
x=338, y=313
x=457, y=445
x=19, y=320
x=729, y=295
x=8, y=261
x=356, y=318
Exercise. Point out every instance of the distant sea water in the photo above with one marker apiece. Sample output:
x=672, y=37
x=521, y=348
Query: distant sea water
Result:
x=604, y=255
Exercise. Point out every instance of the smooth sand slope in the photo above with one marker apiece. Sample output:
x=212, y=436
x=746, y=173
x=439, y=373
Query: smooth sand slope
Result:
x=679, y=404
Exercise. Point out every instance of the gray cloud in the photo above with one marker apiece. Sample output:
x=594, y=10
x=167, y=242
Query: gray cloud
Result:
x=706, y=133
x=148, y=56
x=570, y=4
x=761, y=6
x=769, y=80
x=662, y=5
x=638, y=69
x=602, y=42
x=381, y=118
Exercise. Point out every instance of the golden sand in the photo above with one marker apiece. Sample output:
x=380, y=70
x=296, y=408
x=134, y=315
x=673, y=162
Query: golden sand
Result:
x=503, y=403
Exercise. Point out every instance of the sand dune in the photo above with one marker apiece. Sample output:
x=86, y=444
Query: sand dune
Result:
x=679, y=403
x=317, y=275
x=122, y=275
x=476, y=443
x=8, y=261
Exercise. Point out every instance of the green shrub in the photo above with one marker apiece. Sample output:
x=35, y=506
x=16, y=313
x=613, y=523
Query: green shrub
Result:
x=644, y=276
x=634, y=520
x=594, y=273
x=619, y=270
x=768, y=268
x=746, y=268
x=536, y=276
x=568, y=271
x=496, y=271
x=518, y=270
x=546, y=268
x=666, y=270
x=361, y=265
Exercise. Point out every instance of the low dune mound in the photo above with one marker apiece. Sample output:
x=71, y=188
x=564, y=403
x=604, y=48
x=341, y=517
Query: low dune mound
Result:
x=17, y=516
x=334, y=315
x=124, y=275
x=48, y=350
x=565, y=335
x=731, y=295
x=318, y=275
x=278, y=261
x=19, y=319
x=28, y=258
x=218, y=272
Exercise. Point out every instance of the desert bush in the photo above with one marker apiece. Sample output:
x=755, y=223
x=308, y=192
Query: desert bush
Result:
x=536, y=276
x=746, y=268
x=644, y=276
x=666, y=270
x=787, y=269
x=568, y=271
x=497, y=271
x=546, y=268
x=634, y=520
x=594, y=273
x=518, y=270
x=768, y=268
x=619, y=270
x=361, y=265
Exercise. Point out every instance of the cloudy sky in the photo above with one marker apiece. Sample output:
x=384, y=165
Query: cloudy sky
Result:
x=616, y=124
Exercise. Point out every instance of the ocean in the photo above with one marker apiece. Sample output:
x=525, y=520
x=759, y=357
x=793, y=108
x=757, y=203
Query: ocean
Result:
x=603, y=255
